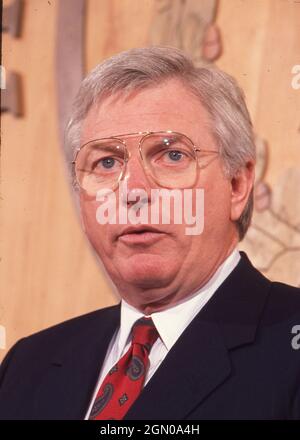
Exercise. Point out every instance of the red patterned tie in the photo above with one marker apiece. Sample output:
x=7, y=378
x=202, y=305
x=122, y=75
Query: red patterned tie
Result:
x=125, y=380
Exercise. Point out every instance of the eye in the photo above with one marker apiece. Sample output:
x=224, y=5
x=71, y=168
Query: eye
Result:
x=171, y=157
x=175, y=155
x=107, y=163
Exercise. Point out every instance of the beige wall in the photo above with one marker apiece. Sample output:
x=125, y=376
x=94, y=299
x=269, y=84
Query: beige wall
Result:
x=262, y=43
x=48, y=273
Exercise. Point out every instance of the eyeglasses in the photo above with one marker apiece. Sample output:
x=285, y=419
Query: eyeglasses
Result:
x=170, y=159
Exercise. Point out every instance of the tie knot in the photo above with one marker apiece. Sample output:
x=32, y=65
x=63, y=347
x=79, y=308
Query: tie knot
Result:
x=144, y=332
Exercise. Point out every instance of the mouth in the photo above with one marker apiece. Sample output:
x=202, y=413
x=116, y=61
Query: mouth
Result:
x=141, y=234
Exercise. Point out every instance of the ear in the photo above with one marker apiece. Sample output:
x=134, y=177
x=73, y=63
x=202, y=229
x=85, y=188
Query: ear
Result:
x=241, y=185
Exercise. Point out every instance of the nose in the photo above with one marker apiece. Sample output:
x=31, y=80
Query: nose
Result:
x=136, y=183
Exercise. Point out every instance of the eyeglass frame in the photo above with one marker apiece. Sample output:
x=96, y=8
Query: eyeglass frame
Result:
x=128, y=154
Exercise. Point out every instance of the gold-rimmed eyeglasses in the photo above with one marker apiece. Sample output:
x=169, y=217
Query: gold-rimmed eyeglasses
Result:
x=170, y=159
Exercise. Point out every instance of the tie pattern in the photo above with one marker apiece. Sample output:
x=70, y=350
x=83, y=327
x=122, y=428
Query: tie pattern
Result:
x=124, y=382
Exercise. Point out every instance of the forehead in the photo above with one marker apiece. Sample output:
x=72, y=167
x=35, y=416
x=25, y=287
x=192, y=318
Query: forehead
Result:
x=169, y=106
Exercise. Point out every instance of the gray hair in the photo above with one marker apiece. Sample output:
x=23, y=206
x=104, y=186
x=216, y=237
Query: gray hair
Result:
x=217, y=91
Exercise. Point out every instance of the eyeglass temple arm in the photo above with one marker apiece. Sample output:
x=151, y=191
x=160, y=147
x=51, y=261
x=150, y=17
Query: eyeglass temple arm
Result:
x=201, y=150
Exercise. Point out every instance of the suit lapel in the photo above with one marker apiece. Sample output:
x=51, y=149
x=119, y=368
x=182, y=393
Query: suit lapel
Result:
x=199, y=362
x=72, y=374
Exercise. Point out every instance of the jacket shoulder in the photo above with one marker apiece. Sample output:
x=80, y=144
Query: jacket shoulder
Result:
x=283, y=302
x=53, y=339
x=77, y=324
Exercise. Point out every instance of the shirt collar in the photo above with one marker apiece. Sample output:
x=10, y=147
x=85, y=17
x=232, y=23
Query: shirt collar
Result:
x=182, y=313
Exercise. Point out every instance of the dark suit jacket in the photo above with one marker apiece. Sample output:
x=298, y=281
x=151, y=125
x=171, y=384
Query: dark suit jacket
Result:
x=234, y=361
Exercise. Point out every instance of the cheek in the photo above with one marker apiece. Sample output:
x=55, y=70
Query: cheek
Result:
x=217, y=203
x=96, y=232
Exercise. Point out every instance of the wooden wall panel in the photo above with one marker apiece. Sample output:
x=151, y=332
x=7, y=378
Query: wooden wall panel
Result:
x=260, y=52
x=116, y=25
x=261, y=45
x=47, y=272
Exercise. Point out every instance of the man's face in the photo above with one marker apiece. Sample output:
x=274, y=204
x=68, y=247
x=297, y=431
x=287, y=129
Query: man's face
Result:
x=161, y=269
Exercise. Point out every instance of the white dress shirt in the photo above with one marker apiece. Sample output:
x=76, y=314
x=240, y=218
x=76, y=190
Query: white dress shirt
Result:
x=182, y=313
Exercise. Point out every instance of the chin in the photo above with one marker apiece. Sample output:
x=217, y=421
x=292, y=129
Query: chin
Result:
x=144, y=270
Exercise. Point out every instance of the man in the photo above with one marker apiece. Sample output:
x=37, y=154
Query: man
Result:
x=199, y=332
